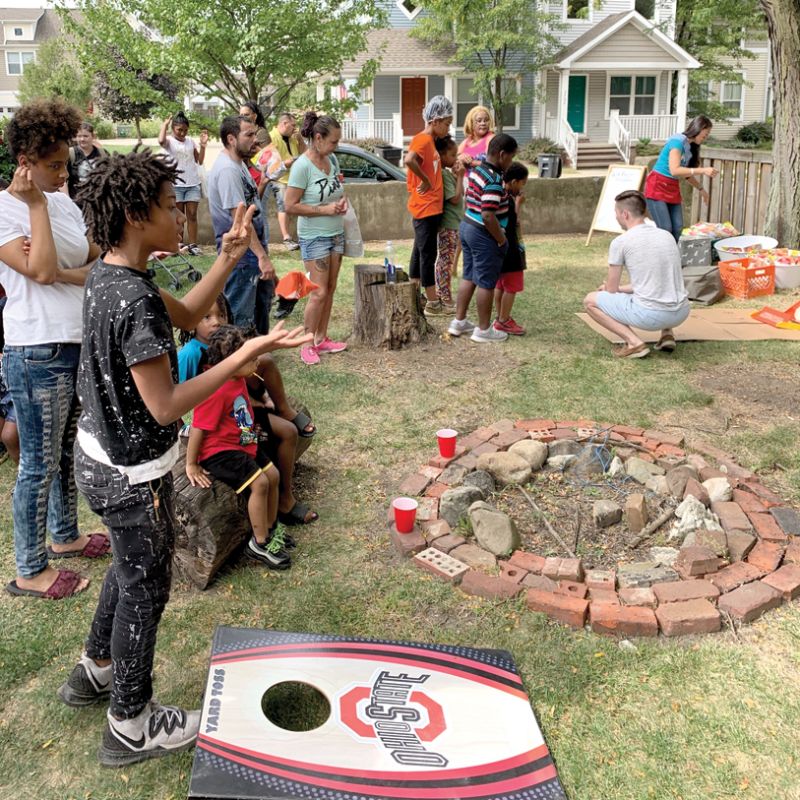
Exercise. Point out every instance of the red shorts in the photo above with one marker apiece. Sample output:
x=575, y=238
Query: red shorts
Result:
x=511, y=282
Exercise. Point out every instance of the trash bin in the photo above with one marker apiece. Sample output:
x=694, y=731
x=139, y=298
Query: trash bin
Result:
x=390, y=154
x=124, y=131
x=549, y=165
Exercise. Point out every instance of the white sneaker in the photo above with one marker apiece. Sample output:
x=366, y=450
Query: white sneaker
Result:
x=459, y=326
x=491, y=334
x=156, y=731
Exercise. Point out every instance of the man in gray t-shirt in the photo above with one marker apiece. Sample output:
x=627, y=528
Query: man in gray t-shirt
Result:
x=656, y=298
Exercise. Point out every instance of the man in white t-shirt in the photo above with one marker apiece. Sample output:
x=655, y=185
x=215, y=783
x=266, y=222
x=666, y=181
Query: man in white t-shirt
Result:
x=656, y=298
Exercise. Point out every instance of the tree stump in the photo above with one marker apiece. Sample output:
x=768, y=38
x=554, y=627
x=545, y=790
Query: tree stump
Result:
x=386, y=314
x=210, y=524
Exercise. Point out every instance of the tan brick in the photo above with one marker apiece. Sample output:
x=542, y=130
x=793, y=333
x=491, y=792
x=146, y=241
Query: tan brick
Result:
x=603, y=596
x=506, y=439
x=681, y=591
x=636, y=512
x=786, y=580
x=570, y=569
x=731, y=516
x=551, y=567
x=601, y=579
x=641, y=596
x=696, y=560
x=414, y=484
x=441, y=565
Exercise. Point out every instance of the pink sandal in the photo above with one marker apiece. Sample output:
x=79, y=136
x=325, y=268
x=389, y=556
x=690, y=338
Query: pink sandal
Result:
x=97, y=547
x=65, y=585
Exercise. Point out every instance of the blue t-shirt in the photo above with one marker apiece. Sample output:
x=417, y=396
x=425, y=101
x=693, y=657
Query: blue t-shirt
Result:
x=230, y=183
x=189, y=357
x=319, y=189
x=677, y=142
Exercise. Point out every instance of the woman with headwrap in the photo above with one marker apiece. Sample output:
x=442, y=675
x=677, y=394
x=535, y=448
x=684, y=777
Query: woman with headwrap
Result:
x=426, y=197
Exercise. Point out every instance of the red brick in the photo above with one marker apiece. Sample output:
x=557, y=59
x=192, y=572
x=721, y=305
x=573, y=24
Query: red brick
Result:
x=640, y=440
x=706, y=473
x=551, y=567
x=542, y=436
x=767, y=528
x=696, y=560
x=740, y=544
x=568, y=423
x=441, y=565
x=435, y=529
x=681, y=591
x=602, y=579
x=483, y=434
x=735, y=470
x=572, y=589
x=407, y=544
x=502, y=425
x=469, y=461
x=506, y=439
x=436, y=489
x=731, y=516
x=668, y=450
x=441, y=462
x=750, y=601
x=674, y=439
x=626, y=452
x=607, y=618
x=729, y=578
x=692, y=616
x=527, y=561
x=792, y=555
x=535, y=424
x=603, y=596
x=652, y=445
x=414, y=484
x=749, y=503
x=532, y=581
x=640, y=596
x=627, y=429
x=488, y=586
x=569, y=610
x=786, y=580
x=669, y=462
x=697, y=461
x=635, y=512
x=563, y=433
x=766, y=556
x=570, y=569
x=448, y=542
x=697, y=490
x=649, y=457
x=767, y=497
x=511, y=572
x=708, y=449
x=486, y=447
x=613, y=436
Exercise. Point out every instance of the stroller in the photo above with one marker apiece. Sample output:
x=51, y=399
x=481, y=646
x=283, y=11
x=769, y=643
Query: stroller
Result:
x=176, y=265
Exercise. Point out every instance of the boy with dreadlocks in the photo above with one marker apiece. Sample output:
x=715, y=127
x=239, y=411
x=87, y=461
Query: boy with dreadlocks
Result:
x=127, y=440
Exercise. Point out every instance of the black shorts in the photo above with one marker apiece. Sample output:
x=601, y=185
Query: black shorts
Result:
x=236, y=468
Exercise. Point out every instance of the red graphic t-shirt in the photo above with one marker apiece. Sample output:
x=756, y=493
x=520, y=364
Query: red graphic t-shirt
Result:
x=227, y=419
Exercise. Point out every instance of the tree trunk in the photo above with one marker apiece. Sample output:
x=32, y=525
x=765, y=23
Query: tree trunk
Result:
x=138, y=123
x=386, y=314
x=783, y=206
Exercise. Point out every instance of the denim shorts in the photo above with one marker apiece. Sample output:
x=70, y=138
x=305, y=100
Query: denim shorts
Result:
x=320, y=246
x=622, y=307
x=483, y=257
x=187, y=194
x=278, y=191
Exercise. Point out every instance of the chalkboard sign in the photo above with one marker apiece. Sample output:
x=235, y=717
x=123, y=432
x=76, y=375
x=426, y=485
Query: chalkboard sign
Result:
x=620, y=178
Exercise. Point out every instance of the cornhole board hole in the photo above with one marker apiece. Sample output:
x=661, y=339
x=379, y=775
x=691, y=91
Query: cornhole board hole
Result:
x=294, y=715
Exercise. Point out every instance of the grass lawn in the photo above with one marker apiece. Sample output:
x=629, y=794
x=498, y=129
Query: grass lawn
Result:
x=710, y=718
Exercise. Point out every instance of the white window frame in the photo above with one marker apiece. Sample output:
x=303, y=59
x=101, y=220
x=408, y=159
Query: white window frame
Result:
x=409, y=14
x=722, y=85
x=481, y=102
x=20, y=34
x=19, y=53
x=565, y=18
x=633, y=76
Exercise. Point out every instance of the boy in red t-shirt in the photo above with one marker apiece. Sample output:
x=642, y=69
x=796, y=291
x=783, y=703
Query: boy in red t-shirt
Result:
x=426, y=197
x=225, y=443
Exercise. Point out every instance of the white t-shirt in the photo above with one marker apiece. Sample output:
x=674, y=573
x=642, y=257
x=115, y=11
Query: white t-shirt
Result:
x=36, y=313
x=183, y=153
x=653, y=261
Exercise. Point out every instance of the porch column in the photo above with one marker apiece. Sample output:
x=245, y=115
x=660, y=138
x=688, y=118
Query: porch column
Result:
x=450, y=93
x=682, y=97
x=320, y=92
x=563, y=96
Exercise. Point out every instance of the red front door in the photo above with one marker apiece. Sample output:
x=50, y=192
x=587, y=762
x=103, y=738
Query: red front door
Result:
x=412, y=101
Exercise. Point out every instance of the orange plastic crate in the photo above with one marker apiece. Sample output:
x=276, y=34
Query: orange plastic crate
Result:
x=746, y=277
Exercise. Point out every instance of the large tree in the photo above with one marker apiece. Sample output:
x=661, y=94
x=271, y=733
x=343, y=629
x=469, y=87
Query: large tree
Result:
x=783, y=206
x=237, y=50
x=713, y=31
x=56, y=73
x=496, y=41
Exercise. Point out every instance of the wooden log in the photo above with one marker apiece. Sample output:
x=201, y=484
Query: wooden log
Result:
x=386, y=314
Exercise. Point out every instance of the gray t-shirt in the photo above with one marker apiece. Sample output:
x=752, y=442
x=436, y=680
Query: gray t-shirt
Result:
x=653, y=261
x=230, y=183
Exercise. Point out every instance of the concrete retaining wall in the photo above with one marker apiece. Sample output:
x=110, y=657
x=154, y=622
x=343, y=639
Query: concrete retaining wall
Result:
x=551, y=206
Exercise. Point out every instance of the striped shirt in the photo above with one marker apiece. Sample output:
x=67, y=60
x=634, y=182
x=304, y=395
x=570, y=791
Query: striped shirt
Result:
x=485, y=192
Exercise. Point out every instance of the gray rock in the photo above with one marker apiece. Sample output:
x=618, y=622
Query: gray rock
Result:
x=454, y=503
x=658, y=484
x=606, y=513
x=617, y=467
x=692, y=515
x=664, y=556
x=507, y=468
x=563, y=447
x=453, y=475
x=644, y=573
x=640, y=470
x=560, y=462
x=474, y=556
x=719, y=490
x=535, y=453
x=678, y=477
x=592, y=460
x=482, y=480
x=788, y=519
x=494, y=531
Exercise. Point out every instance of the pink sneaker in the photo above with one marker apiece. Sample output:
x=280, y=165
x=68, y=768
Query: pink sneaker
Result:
x=309, y=354
x=327, y=346
x=510, y=327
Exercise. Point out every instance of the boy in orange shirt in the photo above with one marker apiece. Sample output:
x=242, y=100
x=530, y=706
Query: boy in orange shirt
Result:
x=426, y=197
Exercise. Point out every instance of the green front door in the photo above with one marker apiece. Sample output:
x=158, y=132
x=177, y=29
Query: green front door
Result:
x=576, y=103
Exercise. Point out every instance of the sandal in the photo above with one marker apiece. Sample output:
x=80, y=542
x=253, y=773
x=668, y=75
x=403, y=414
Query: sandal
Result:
x=297, y=515
x=65, y=585
x=97, y=547
x=301, y=421
x=666, y=344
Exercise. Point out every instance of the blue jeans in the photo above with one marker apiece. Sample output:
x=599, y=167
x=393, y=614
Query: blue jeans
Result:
x=250, y=297
x=667, y=216
x=41, y=382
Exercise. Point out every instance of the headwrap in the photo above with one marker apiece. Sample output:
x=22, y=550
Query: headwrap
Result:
x=438, y=107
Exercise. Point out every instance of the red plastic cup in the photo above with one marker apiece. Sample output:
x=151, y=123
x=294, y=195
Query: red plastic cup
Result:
x=447, y=442
x=405, y=513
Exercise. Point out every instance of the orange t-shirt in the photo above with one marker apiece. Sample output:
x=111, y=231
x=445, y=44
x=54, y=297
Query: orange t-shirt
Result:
x=432, y=202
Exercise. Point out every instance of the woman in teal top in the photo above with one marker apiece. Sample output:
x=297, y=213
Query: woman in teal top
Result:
x=679, y=158
x=316, y=195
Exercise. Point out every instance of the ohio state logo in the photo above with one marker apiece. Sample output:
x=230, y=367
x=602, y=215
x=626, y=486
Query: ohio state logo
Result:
x=395, y=714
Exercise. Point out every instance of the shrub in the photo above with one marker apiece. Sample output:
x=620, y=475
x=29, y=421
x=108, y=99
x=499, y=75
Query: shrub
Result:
x=103, y=128
x=755, y=132
x=369, y=144
x=534, y=147
x=645, y=147
x=7, y=164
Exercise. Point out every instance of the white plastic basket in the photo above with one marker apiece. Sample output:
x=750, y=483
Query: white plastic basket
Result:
x=744, y=242
x=787, y=277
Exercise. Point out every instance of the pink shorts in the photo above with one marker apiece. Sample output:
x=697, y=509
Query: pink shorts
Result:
x=511, y=282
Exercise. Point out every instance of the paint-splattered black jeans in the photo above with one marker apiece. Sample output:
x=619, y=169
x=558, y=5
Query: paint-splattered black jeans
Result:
x=140, y=520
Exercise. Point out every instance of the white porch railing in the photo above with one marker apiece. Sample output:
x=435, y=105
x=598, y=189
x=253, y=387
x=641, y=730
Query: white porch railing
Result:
x=653, y=126
x=619, y=136
x=369, y=129
x=560, y=131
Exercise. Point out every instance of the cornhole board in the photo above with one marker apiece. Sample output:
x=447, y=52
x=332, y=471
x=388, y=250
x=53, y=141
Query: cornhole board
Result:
x=408, y=721
x=710, y=325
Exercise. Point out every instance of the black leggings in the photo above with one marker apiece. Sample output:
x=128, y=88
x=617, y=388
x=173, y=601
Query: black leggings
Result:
x=423, y=254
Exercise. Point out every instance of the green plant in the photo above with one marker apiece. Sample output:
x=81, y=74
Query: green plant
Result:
x=369, y=144
x=103, y=128
x=645, y=147
x=530, y=150
x=756, y=132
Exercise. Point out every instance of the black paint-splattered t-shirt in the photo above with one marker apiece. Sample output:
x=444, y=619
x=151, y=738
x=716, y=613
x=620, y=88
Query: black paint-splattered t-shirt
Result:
x=125, y=322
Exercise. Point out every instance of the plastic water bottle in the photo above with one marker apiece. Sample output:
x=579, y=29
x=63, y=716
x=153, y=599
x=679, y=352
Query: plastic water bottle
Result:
x=388, y=263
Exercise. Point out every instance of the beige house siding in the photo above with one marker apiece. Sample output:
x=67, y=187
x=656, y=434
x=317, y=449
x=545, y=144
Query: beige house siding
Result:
x=754, y=96
x=627, y=46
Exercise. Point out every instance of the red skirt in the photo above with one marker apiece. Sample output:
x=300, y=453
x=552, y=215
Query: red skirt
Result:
x=660, y=187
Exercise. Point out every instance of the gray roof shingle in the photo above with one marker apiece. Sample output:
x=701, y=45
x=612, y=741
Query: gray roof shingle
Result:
x=402, y=52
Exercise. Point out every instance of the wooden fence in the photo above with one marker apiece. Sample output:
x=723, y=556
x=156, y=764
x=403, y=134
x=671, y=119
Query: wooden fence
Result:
x=739, y=193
